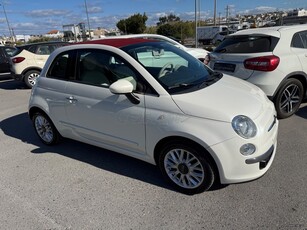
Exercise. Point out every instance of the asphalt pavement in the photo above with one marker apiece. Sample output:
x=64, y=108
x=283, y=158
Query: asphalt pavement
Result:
x=77, y=186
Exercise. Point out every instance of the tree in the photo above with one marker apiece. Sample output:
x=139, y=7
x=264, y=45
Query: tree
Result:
x=179, y=30
x=136, y=24
x=166, y=30
x=151, y=30
x=167, y=19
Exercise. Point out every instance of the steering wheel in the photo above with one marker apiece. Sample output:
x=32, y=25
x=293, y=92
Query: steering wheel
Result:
x=164, y=70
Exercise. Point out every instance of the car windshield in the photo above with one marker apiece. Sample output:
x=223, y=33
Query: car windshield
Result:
x=247, y=44
x=176, y=70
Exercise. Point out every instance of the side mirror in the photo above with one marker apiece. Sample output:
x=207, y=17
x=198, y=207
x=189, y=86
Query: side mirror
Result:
x=122, y=86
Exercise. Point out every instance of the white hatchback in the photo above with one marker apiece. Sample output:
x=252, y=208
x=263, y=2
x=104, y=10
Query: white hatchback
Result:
x=273, y=58
x=152, y=101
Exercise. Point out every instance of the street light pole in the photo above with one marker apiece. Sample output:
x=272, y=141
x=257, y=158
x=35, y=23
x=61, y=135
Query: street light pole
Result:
x=196, y=12
x=88, y=20
x=214, y=13
x=7, y=21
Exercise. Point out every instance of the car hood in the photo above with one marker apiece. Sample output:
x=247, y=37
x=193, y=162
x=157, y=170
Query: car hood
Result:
x=223, y=100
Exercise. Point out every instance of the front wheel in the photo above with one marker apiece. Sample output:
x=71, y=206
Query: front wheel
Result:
x=289, y=98
x=186, y=167
x=45, y=129
x=31, y=77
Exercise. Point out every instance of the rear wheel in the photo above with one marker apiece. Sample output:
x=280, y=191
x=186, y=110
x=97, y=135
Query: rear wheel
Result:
x=31, y=77
x=289, y=98
x=186, y=167
x=45, y=129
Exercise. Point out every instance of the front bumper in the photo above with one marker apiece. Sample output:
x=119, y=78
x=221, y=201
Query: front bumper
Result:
x=262, y=159
x=234, y=167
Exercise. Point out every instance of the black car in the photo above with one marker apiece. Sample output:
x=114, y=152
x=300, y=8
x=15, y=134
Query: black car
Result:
x=6, y=52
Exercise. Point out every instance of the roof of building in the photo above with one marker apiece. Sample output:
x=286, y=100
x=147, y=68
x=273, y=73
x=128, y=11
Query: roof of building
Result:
x=53, y=32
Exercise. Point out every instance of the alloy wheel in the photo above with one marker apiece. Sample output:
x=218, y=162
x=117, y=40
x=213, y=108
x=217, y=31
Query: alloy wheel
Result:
x=290, y=98
x=44, y=129
x=32, y=78
x=183, y=168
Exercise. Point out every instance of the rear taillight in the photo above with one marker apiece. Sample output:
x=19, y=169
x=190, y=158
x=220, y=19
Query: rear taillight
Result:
x=18, y=59
x=265, y=63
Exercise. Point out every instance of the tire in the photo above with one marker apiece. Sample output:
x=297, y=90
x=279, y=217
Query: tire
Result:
x=31, y=77
x=45, y=129
x=289, y=98
x=186, y=167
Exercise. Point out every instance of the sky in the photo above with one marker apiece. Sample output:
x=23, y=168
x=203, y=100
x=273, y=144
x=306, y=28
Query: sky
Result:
x=39, y=17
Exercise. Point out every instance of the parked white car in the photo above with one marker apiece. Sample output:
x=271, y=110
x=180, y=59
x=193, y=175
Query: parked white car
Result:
x=199, y=53
x=152, y=101
x=272, y=58
x=220, y=36
x=28, y=60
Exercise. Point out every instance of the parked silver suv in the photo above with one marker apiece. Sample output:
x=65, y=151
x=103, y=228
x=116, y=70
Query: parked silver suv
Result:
x=274, y=58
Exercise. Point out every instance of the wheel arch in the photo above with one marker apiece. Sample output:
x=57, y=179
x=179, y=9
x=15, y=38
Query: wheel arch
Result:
x=301, y=76
x=169, y=139
x=34, y=110
x=24, y=72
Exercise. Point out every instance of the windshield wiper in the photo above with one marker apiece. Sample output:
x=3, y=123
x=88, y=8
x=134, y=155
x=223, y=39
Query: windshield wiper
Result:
x=181, y=85
x=214, y=77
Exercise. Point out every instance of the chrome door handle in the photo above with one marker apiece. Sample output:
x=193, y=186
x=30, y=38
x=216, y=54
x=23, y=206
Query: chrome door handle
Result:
x=71, y=99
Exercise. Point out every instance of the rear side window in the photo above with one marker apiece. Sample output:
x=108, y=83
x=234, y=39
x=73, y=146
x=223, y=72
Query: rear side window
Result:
x=247, y=44
x=60, y=68
x=32, y=49
x=299, y=40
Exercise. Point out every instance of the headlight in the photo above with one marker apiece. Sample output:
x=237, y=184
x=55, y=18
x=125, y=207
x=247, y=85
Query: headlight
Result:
x=244, y=126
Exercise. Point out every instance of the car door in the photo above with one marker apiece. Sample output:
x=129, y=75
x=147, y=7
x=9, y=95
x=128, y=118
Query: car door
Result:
x=99, y=117
x=299, y=47
x=5, y=64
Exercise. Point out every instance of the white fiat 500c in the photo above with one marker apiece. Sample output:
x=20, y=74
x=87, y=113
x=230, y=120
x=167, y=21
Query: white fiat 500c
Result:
x=152, y=101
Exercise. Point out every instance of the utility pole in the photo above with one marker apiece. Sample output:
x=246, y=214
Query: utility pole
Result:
x=7, y=21
x=227, y=15
x=214, y=17
x=88, y=20
x=196, y=12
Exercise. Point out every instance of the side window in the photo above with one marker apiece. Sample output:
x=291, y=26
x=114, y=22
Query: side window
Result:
x=102, y=68
x=32, y=49
x=304, y=38
x=10, y=51
x=43, y=50
x=299, y=40
x=51, y=48
x=60, y=68
x=93, y=68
